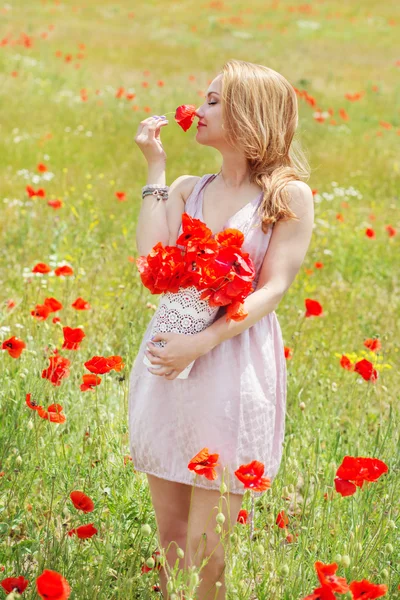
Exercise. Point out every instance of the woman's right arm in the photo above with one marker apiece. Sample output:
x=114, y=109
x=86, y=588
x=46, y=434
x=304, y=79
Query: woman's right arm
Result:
x=159, y=220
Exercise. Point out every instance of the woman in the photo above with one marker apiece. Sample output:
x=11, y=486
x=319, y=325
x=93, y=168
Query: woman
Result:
x=234, y=400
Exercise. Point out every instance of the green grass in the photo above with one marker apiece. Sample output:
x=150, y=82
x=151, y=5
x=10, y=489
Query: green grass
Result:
x=333, y=50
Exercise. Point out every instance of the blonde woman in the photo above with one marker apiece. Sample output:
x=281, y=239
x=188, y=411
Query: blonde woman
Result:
x=234, y=400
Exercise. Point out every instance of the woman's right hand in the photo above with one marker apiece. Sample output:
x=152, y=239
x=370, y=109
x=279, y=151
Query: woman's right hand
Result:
x=148, y=138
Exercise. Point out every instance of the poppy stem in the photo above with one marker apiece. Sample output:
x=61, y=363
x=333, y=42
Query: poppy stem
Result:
x=252, y=515
x=187, y=535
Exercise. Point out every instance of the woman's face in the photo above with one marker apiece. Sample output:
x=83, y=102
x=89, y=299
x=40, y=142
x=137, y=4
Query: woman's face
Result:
x=210, y=114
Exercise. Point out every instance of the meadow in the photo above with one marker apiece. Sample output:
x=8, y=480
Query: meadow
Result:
x=76, y=80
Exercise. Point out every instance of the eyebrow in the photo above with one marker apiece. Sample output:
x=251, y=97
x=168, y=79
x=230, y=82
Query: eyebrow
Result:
x=209, y=93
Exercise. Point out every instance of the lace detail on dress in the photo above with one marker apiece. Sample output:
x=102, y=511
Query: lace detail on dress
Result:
x=184, y=312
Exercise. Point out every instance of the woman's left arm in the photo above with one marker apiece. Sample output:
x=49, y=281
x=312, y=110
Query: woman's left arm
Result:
x=286, y=251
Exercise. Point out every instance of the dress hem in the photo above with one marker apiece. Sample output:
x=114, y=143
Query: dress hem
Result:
x=238, y=493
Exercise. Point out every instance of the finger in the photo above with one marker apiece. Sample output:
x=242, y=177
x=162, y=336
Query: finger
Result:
x=161, y=371
x=155, y=360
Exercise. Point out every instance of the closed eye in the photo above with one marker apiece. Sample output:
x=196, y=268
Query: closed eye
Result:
x=211, y=103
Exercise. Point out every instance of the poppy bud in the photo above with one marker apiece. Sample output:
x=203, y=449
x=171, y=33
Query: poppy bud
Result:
x=223, y=488
x=218, y=529
x=284, y=570
x=180, y=552
x=259, y=549
x=270, y=519
x=385, y=573
x=170, y=587
x=220, y=518
x=146, y=529
x=150, y=562
x=389, y=548
x=345, y=560
x=18, y=460
x=337, y=558
x=194, y=580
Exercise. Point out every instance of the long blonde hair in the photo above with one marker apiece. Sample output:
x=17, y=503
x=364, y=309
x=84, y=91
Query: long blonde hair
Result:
x=260, y=115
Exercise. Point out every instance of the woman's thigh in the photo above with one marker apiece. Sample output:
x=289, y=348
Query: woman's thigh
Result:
x=171, y=501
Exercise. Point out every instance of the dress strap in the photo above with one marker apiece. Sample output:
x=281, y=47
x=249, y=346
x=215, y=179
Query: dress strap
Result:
x=192, y=201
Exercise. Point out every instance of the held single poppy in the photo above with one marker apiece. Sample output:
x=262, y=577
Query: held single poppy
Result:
x=184, y=115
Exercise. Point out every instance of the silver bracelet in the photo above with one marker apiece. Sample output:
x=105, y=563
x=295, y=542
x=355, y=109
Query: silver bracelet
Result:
x=155, y=189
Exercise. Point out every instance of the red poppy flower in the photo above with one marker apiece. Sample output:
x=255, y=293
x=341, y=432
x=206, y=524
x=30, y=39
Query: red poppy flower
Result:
x=370, y=233
x=89, y=382
x=362, y=590
x=14, y=346
x=373, y=344
x=31, y=192
x=14, y=583
x=346, y=363
x=366, y=369
x=84, y=531
x=72, y=338
x=101, y=364
x=51, y=585
x=52, y=304
x=251, y=476
x=355, y=470
x=288, y=352
x=40, y=312
x=313, y=308
x=322, y=593
x=121, y=196
x=41, y=168
x=31, y=403
x=41, y=268
x=81, y=304
x=81, y=501
x=65, y=270
x=184, y=115
x=55, y=203
x=391, y=230
x=242, y=516
x=53, y=413
x=282, y=520
x=204, y=464
x=57, y=370
x=327, y=577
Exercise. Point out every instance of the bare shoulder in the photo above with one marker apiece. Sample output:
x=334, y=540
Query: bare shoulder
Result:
x=301, y=195
x=188, y=183
x=299, y=189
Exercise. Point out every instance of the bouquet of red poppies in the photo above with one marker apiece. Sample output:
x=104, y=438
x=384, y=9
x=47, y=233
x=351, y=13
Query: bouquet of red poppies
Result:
x=215, y=265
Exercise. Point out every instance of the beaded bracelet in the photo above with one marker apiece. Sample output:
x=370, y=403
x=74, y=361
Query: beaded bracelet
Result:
x=160, y=191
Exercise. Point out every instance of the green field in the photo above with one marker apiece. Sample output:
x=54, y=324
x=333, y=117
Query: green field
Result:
x=76, y=80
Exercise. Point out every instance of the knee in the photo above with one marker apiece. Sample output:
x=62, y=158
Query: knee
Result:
x=207, y=548
x=173, y=538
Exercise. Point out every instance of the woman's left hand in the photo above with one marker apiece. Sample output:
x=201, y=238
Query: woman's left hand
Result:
x=179, y=351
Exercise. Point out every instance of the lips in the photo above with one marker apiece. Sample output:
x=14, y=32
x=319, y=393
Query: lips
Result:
x=201, y=125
